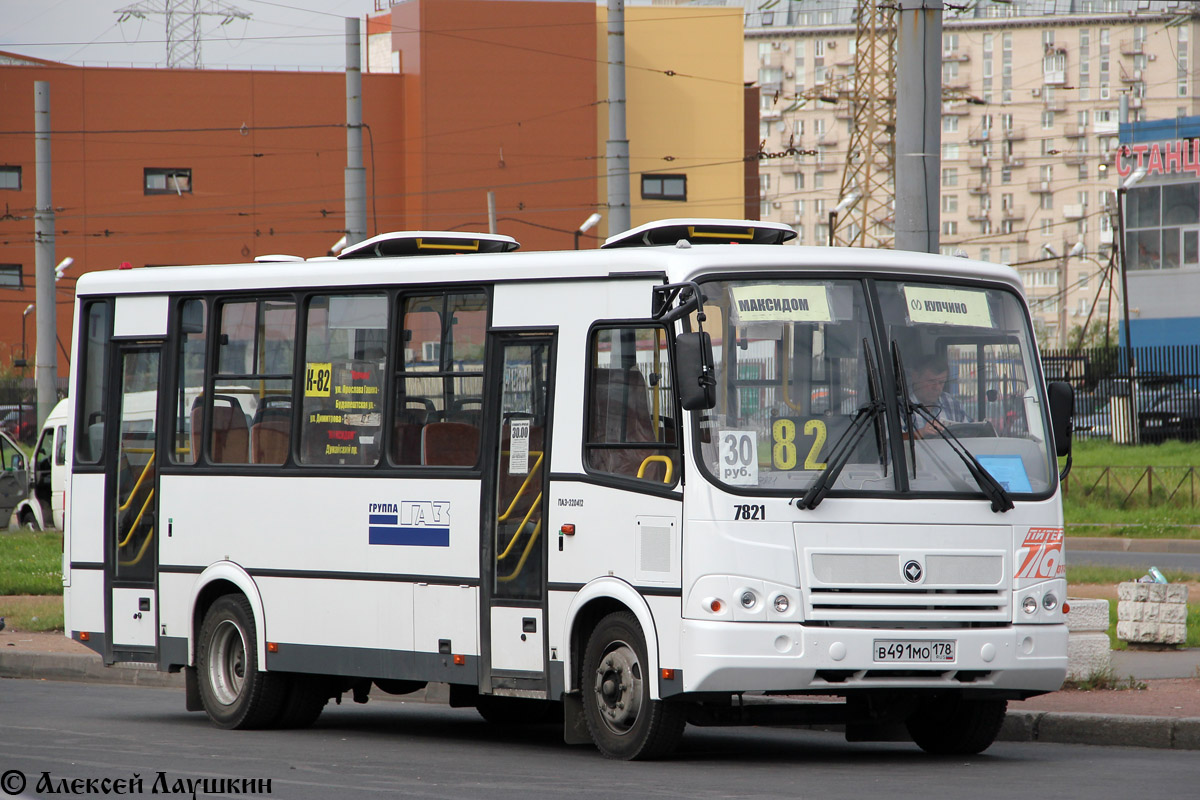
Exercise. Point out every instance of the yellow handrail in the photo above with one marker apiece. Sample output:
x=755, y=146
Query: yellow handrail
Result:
x=138, y=484
x=537, y=502
x=662, y=460
x=137, y=519
x=141, y=552
x=536, y=466
x=524, y=556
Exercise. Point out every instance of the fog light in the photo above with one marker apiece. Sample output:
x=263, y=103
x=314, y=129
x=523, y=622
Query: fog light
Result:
x=748, y=599
x=781, y=603
x=1049, y=602
x=1029, y=604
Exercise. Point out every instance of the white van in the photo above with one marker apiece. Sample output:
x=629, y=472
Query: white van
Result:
x=45, y=500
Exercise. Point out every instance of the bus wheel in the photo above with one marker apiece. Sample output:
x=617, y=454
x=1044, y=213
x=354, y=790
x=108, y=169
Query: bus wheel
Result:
x=305, y=699
x=234, y=692
x=956, y=726
x=29, y=521
x=517, y=710
x=623, y=721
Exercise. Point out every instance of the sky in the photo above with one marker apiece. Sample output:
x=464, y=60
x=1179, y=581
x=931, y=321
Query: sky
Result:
x=280, y=34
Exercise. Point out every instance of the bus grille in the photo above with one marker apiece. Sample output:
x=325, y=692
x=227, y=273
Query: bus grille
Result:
x=893, y=604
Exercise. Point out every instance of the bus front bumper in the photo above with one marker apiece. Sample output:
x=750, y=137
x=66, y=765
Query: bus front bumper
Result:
x=788, y=657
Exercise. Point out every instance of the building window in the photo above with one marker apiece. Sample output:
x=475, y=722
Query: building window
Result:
x=10, y=178
x=10, y=276
x=159, y=180
x=664, y=187
x=949, y=203
x=950, y=176
x=950, y=124
x=950, y=228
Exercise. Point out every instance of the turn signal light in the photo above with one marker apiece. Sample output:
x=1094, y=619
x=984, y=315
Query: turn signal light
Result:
x=84, y=636
x=459, y=660
x=668, y=674
x=1066, y=608
x=272, y=647
x=715, y=606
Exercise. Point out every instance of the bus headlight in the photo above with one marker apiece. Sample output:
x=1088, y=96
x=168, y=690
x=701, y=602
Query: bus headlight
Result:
x=1049, y=602
x=782, y=603
x=748, y=599
x=1029, y=605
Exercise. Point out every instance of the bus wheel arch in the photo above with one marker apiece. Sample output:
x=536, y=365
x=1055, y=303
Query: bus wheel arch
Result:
x=590, y=606
x=217, y=581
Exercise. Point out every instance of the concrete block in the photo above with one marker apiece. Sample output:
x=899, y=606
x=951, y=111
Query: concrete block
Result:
x=1133, y=591
x=1087, y=654
x=1177, y=593
x=1087, y=614
x=1103, y=729
x=1020, y=726
x=1187, y=734
x=1152, y=632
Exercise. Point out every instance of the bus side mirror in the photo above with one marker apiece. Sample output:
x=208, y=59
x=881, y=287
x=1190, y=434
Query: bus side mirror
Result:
x=1062, y=406
x=694, y=362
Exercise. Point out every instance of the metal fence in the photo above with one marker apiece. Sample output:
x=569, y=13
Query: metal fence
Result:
x=18, y=407
x=1155, y=398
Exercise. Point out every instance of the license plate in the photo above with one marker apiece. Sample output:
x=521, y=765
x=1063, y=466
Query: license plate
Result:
x=914, y=651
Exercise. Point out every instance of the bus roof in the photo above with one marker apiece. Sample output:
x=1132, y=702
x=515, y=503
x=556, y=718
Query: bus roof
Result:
x=667, y=263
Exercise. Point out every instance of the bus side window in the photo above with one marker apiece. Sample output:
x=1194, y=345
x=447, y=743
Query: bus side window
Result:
x=630, y=418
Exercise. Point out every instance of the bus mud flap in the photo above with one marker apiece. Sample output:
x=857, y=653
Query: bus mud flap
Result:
x=574, y=725
x=191, y=690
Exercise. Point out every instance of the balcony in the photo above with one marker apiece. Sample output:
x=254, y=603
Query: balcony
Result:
x=977, y=213
x=955, y=109
x=844, y=111
x=1014, y=161
x=1073, y=130
x=978, y=187
x=1131, y=76
x=1015, y=134
x=1075, y=159
x=955, y=55
x=1013, y=212
x=828, y=139
x=1054, y=77
x=1106, y=237
x=960, y=83
x=981, y=162
x=1133, y=47
x=1057, y=105
x=1039, y=187
x=1075, y=211
x=979, y=136
x=1135, y=102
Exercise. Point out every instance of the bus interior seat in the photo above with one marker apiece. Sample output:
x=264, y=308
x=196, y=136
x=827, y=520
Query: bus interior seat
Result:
x=449, y=444
x=413, y=415
x=230, y=438
x=621, y=414
x=271, y=433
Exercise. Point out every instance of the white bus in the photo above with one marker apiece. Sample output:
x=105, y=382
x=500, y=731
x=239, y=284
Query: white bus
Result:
x=637, y=487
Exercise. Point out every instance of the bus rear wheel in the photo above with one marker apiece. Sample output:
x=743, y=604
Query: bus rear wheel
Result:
x=235, y=693
x=622, y=719
x=957, y=726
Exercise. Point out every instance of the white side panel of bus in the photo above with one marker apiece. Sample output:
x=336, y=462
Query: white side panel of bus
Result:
x=372, y=614
x=84, y=602
x=87, y=518
x=134, y=617
x=517, y=638
x=446, y=612
x=140, y=316
x=174, y=596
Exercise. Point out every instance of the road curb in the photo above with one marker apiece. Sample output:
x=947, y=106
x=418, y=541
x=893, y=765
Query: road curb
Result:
x=1122, y=545
x=1056, y=727
x=1124, y=730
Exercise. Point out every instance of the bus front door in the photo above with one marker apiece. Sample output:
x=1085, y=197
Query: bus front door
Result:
x=514, y=552
x=132, y=507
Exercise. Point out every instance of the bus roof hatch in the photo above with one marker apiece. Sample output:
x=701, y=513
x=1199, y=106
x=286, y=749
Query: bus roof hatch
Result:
x=429, y=243
x=665, y=232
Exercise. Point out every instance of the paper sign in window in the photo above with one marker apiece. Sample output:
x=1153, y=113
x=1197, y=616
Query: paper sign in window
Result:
x=948, y=306
x=780, y=303
x=518, y=450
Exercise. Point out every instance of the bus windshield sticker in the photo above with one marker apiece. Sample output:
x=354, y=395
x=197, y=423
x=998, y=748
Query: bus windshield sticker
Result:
x=1008, y=470
x=416, y=523
x=317, y=379
x=739, y=458
x=948, y=306
x=780, y=303
x=518, y=449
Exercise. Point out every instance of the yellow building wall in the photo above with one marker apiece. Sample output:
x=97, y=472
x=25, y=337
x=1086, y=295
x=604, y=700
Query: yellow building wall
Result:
x=689, y=122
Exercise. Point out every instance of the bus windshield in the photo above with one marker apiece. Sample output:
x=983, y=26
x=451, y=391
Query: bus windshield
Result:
x=903, y=385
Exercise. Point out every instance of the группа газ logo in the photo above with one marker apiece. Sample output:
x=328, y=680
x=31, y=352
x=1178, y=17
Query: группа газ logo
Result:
x=419, y=523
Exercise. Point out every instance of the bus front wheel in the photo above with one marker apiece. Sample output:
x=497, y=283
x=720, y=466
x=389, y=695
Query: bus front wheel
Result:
x=622, y=719
x=235, y=693
x=957, y=726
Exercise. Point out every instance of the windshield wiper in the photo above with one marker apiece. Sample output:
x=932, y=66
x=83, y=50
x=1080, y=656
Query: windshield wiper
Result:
x=990, y=486
x=844, y=446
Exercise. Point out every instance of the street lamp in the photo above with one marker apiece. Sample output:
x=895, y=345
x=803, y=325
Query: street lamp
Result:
x=338, y=246
x=843, y=205
x=1134, y=178
x=587, y=225
x=21, y=362
x=62, y=267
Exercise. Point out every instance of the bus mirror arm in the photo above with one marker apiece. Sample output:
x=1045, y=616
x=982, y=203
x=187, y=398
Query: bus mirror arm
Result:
x=688, y=295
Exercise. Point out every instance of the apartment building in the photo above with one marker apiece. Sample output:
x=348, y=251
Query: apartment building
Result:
x=1032, y=99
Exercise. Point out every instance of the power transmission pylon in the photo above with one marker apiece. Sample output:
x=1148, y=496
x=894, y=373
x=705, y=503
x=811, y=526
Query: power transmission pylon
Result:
x=182, y=19
x=865, y=201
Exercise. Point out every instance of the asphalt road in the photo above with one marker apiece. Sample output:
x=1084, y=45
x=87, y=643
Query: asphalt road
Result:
x=74, y=730
x=1185, y=561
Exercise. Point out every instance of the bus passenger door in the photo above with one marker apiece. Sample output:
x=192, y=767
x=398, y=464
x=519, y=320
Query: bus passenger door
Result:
x=514, y=632
x=132, y=507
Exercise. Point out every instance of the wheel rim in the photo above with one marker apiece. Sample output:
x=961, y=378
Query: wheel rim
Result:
x=618, y=685
x=227, y=662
